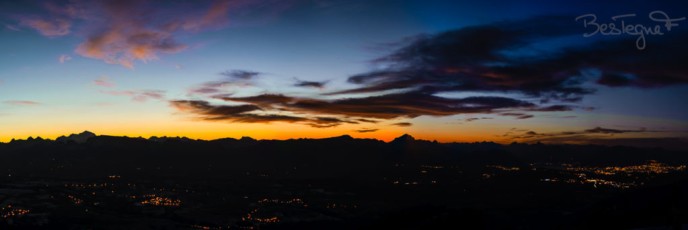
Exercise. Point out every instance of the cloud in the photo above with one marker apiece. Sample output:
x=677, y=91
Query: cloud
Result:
x=322, y=113
x=11, y=27
x=555, y=108
x=234, y=78
x=601, y=130
x=50, y=28
x=310, y=84
x=53, y=21
x=137, y=95
x=126, y=43
x=249, y=113
x=243, y=114
x=22, y=103
x=138, y=31
x=327, y=122
x=585, y=137
x=506, y=57
x=403, y=105
x=473, y=59
x=614, y=80
x=240, y=74
x=517, y=115
x=364, y=120
x=216, y=15
x=263, y=100
x=476, y=118
x=564, y=136
x=125, y=31
x=207, y=88
x=212, y=112
x=64, y=58
x=211, y=87
x=104, y=81
x=403, y=124
x=367, y=130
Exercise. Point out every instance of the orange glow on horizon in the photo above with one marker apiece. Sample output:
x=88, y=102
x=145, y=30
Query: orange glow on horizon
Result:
x=273, y=131
x=442, y=129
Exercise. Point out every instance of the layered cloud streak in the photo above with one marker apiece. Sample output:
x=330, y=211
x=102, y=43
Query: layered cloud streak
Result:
x=126, y=31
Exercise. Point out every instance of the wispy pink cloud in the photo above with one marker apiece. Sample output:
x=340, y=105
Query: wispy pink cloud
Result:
x=22, y=103
x=64, y=58
x=50, y=28
x=104, y=81
x=129, y=34
x=138, y=95
x=11, y=27
x=53, y=20
x=124, y=46
x=125, y=32
x=233, y=79
x=216, y=15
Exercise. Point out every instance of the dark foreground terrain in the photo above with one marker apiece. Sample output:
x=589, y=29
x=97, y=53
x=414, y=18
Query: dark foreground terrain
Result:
x=103, y=182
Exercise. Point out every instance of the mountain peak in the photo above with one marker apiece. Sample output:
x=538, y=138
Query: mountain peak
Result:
x=87, y=133
x=403, y=138
x=345, y=136
x=247, y=138
x=342, y=137
x=78, y=138
x=83, y=135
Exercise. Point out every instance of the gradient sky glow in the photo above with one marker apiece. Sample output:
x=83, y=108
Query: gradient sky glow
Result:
x=330, y=67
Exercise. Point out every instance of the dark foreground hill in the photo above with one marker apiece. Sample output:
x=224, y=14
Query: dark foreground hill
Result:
x=106, y=182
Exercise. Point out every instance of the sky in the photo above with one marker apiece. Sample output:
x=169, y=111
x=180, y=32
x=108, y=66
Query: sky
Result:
x=451, y=71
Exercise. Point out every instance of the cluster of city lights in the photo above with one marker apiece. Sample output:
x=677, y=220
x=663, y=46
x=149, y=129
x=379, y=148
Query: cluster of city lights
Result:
x=161, y=201
x=9, y=212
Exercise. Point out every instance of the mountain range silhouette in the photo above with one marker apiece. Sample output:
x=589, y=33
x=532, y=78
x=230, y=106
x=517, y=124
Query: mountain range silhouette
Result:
x=401, y=183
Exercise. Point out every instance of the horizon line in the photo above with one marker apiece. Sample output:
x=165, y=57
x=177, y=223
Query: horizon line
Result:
x=532, y=142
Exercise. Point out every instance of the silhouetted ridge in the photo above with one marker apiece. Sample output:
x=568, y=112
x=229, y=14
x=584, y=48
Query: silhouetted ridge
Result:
x=165, y=138
x=248, y=139
x=345, y=137
x=78, y=138
x=403, y=139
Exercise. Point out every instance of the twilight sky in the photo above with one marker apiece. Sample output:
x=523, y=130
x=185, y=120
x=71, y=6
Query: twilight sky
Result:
x=277, y=69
